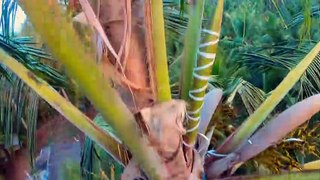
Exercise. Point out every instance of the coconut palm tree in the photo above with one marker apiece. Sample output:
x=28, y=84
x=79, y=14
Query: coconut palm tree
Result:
x=129, y=85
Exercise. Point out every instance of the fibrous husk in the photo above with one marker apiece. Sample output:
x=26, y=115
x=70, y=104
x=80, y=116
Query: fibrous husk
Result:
x=117, y=17
x=162, y=124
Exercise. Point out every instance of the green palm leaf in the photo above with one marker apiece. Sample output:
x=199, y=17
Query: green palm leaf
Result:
x=251, y=96
x=284, y=57
x=19, y=105
x=94, y=159
x=30, y=57
x=255, y=120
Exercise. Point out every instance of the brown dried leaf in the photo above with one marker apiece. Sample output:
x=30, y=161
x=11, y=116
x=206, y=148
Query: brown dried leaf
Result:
x=124, y=24
x=93, y=20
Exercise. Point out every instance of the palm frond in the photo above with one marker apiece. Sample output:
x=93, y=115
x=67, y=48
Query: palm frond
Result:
x=18, y=106
x=4, y=73
x=257, y=118
x=107, y=101
x=299, y=18
x=284, y=57
x=251, y=96
x=8, y=14
x=19, y=49
x=65, y=107
x=22, y=49
x=175, y=28
x=95, y=160
x=31, y=111
x=174, y=22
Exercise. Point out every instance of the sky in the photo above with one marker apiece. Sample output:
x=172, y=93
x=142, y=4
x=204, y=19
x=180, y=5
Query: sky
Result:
x=20, y=18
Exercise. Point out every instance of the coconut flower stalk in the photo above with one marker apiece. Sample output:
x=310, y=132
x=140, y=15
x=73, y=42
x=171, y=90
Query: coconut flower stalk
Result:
x=190, y=48
x=201, y=73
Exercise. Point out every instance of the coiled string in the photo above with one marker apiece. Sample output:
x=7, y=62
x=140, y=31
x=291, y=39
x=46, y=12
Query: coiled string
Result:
x=195, y=114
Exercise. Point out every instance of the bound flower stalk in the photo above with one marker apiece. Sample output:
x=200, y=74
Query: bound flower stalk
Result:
x=201, y=74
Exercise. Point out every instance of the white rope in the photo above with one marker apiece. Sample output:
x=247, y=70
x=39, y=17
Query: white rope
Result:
x=195, y=115
x=204, y=66
x=209, y=43
x=190, y=117
x=207, y=55
x=207, y=141
x=293, y=140
x=204, y=137
x=188, y=145
x=203, y=78
x=211, y=32
x=213, y=153
x=192, y=146
x=197, y=110
x=199, y=90
x=195, y=98
x=194, y=128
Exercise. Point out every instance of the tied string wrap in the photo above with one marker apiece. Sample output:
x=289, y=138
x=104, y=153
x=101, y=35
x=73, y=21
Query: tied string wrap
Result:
x=210, y=153
x=194, y=115
x=208, y=60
